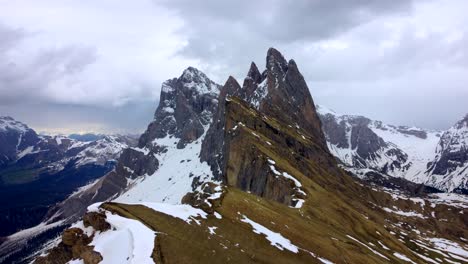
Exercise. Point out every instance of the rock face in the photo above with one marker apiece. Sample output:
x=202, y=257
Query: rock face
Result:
x=424, y=157
x=280, y=92
x=74, y=245
x=353, y=141
x=277, y=105
x=186, y=105
x=14, y=138
x=449, y=169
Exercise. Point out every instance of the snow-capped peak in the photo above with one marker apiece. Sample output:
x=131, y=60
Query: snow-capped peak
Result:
x=462, y=123
x=325, y=110
x=8, y=123
x=195, y=79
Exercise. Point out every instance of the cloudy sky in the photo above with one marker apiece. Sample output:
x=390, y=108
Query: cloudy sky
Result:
x=97, y=65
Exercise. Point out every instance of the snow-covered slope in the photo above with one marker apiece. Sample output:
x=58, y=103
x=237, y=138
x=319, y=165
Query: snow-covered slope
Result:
x=174, y=138
x=449, y=168
x=412, y=153
x=178, y=169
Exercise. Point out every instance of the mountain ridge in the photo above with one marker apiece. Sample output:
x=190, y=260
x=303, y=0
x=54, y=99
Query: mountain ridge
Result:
x=396, y=151
x=269, y=191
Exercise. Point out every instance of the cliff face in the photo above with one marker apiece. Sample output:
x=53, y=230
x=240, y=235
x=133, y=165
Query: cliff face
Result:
x=280, y=92
x=449, y=169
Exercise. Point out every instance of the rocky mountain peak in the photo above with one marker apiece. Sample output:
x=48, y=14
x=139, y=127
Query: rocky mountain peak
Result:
x=289, y=98
x=230, y=88
x=9, y=123
x=275, y=62
x=462, y=123
x=194, y=79
x=186, y=106
x=254, y=74
x=15, y=137
x=281, y=93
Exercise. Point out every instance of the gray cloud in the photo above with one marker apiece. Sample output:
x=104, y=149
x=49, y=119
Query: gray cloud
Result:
x=284, y=20
x=23, y=79
x=9, y=37
x=400, y=61
x=227, y=34
x=352, y=53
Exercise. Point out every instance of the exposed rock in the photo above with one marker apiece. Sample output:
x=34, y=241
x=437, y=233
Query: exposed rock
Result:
x=133, y=163
x=207, y=197
x=60, y=254
x=91, y=257
x=96, y=220
x=73, y=236
x=247, y=161
x=414, y=132
x=212, y=146
x=362, y=144
x=74, y=245
x=280, y=92
x=186, y=105
x=449, y=169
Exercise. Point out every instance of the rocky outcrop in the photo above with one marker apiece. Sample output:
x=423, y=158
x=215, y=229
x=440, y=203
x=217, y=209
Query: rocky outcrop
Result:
x=279, y=92
x=449, y=169
x=74, y=245
x=186, y=105
x=96, y=220
x=213, y=148
x=266, y=101
x=15, y=137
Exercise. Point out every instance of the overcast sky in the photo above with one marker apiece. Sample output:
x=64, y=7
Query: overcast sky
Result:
x=97, y=65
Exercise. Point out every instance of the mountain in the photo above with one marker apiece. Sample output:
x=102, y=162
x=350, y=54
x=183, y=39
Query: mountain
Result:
x=243, y=174
x=86, y=137
x=365, y=147
x=38, y=171
x=449, y=169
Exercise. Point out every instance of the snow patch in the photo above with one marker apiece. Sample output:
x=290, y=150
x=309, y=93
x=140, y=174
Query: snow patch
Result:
x=276, y=239
x=403, y=257
x=184, y=212
x=131, y=242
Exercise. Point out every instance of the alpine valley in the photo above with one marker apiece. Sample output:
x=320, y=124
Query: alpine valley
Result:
x=37, y=171
x=250, y=172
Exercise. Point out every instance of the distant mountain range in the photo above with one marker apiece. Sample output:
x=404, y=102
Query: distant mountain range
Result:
x=365, y=147
x=37, y=171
